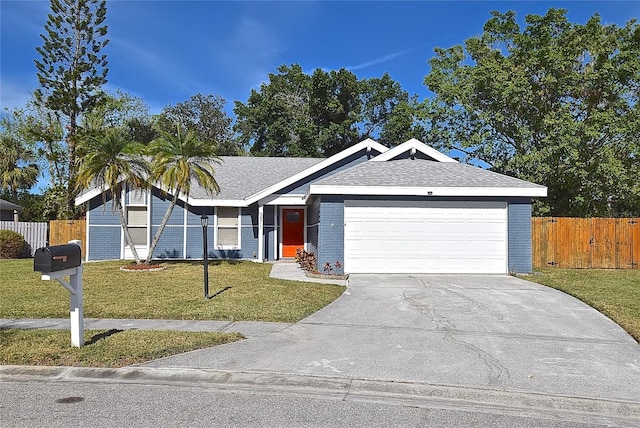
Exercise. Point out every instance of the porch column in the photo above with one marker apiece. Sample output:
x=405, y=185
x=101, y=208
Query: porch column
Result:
x=276, y=234
x=260, y=232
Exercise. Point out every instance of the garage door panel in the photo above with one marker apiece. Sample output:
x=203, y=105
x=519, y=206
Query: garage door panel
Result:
x=425, y=237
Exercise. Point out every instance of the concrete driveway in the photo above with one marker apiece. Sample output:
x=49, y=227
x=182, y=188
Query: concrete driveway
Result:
x=494, y=332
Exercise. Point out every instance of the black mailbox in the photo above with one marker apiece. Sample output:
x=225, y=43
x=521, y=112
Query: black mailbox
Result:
x=56, y=257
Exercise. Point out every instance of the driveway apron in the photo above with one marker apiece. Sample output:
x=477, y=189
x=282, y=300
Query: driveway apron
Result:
x=496, y=332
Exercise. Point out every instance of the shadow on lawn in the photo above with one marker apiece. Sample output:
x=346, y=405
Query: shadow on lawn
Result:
x=101, y=336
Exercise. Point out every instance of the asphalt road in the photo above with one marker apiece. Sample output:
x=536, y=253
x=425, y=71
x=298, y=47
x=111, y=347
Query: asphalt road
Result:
x=95, y=404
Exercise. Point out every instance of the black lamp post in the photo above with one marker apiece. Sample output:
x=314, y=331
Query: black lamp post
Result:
x=204, y=220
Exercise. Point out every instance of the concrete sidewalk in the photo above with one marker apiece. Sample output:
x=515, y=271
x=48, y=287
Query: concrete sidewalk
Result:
x=247, y=328
x=292, y=271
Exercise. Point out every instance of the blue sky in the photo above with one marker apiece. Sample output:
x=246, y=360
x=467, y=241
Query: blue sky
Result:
x=166, y=51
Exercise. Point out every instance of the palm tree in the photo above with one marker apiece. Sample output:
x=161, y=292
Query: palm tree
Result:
x=17, y=167
x=112, y=161
x=178, y=160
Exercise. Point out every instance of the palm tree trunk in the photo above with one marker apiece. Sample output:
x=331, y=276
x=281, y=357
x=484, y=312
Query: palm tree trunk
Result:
x=125, y=229
x=163, y=223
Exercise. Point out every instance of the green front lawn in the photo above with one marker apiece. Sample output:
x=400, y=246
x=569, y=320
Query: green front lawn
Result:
x=175, y=293
x=103, y=348
x=615, y=293
x=246, y=294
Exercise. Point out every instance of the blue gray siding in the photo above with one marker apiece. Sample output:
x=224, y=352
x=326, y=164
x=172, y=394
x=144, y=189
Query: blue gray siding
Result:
x=104, y=242
x=519, y=237
x=331, y=231
x=159, y=205
x=104, y=230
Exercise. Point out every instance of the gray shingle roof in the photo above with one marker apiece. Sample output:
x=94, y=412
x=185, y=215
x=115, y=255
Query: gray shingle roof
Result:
x=9, y=206
x=422, y=173
x=240, y=177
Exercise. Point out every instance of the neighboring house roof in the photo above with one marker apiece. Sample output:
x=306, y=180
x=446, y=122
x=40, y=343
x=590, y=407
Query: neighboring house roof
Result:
x=9, y=206
x=424, y=177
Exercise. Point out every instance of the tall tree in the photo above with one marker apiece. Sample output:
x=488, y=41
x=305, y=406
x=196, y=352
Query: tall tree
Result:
x=336, y=109
x=113, y=162
x=297, y=114
x=276, y=120
x=72, y=69
x=553, y=102
x=180, y=159
x=205, y=115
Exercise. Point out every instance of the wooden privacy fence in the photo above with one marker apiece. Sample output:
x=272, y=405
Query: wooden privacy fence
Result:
x=34, y=233
x=598, y=243
x=63, y=231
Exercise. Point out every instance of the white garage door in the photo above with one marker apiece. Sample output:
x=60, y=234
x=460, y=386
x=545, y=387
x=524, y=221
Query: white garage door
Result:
x=425, y=237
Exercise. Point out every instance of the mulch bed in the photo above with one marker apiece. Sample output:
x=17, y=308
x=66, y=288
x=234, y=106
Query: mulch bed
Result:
x=142, y=268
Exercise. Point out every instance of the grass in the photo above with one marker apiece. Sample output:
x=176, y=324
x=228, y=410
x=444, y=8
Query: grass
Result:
x=615, y=293
x=103, y=348
x=246, y=294
x=174, y=293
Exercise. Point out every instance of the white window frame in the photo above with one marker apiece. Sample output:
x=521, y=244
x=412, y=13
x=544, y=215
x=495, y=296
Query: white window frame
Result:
x=137, y=205
x=142, y=192
x=217, y=227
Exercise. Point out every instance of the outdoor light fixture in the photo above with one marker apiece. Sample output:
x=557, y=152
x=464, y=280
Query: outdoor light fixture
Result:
x=204, y=220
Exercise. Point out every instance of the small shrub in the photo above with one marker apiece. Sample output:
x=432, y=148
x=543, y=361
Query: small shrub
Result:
x=12, y=245
x=306, y=260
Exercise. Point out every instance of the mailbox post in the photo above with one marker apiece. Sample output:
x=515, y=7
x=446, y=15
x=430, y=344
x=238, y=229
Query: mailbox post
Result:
x=56, y=262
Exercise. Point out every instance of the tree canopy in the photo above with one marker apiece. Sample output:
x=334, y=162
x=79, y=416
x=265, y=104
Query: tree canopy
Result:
x=297, y=114
x=553, y=102
x=205, y=116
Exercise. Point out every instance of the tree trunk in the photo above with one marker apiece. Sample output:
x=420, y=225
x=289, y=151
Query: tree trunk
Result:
x=165, y=220
x=71, y=152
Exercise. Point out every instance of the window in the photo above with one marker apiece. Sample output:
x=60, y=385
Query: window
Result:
x=227, y=225
x=137, y=224
x=136, y=210
x=137, y=197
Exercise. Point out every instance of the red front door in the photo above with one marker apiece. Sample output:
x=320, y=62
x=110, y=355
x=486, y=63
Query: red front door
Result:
x=292, y=231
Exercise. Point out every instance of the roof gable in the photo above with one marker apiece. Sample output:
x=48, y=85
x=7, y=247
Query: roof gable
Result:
x=410, y=148
x=368, y=145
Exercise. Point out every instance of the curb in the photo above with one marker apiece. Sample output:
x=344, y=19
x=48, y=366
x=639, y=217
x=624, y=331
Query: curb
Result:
x=568, y=408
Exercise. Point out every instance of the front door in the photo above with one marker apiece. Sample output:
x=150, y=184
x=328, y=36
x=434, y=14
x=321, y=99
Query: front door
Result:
x=292, y=231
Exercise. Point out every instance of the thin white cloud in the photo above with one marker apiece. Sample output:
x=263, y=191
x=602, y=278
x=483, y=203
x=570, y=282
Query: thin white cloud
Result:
x=379, y=60
x=249, y=52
